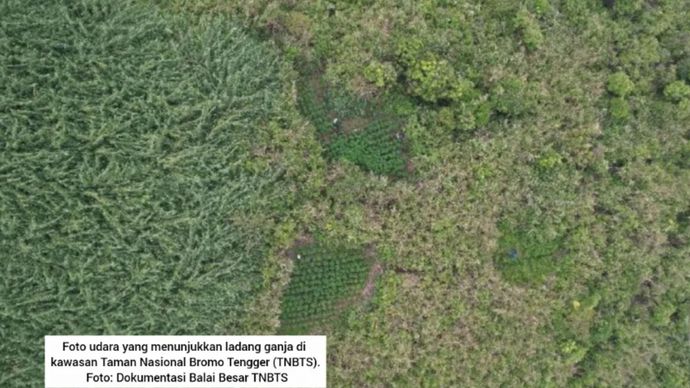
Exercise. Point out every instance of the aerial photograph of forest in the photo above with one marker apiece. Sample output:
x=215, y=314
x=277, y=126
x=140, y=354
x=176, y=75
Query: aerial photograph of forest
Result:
x=457, y=193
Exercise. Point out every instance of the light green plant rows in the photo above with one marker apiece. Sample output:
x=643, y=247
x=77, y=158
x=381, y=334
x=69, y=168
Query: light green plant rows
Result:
x=366, y=133
x=326, y=279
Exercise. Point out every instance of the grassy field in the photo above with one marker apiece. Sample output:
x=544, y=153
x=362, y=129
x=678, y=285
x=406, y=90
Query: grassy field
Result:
x=514, y=176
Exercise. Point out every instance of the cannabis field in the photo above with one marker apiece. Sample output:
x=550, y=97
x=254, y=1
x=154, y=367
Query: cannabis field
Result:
x=458, y=193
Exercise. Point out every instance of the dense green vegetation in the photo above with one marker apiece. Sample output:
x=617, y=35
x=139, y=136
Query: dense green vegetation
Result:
x=539, y=240
x=139, y=194
x=323, y=283
x=366, y=133
x=522, y=169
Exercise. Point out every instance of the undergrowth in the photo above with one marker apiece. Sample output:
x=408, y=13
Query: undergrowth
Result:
x=526, y=256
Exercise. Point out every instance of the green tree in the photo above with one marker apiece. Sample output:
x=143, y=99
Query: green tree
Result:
x=435, y=79
x=380, y=74
x=512, y=97
x=619, y=84
x=677, y=91
x=529, y=29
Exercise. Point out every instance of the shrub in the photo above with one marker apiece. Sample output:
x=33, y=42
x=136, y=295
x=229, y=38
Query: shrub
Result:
x=677, y=91
x=445, y=118
x=548, y=161
x=627, y=7
x=435, y=79
x=528, y=256
x=512, y=97
x=683, y=109
x=619, y=109
x=529, y=29
x=380, y=74
x=542, y=6
x=464, y=116
x=298, y=26
x=683, y=70
x=662, y=314
x=619, y=84
x=573, y=352
x=408, y=50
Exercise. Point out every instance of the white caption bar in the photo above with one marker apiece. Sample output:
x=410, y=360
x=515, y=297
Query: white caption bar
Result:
x=185, y=361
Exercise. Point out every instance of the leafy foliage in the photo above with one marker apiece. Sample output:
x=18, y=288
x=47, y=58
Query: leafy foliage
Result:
x=353, y=130
x=131, y=201
x=380, y=74
x=324, y=279
x=557, y=128
x=374, y=148
x=512, y=97
x=529, y=28
x=620, y=84
x=677, y=91
x=584, y=177
x=527, y=257
x=434, y=80
x=619, y=109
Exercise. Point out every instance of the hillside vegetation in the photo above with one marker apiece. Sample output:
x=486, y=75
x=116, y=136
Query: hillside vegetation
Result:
x=457, y=192
x=540, y=233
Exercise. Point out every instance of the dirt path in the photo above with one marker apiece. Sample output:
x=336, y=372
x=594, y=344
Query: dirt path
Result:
x=374, y=273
